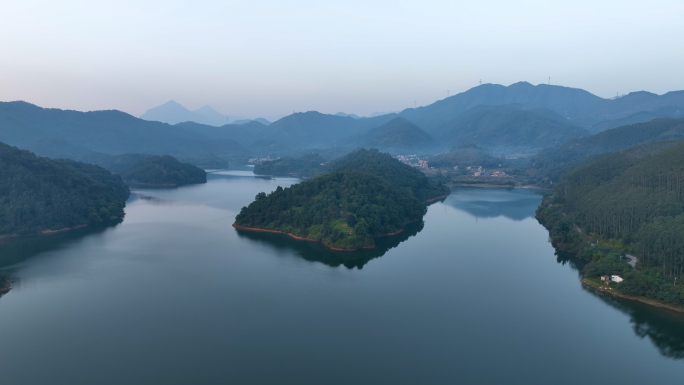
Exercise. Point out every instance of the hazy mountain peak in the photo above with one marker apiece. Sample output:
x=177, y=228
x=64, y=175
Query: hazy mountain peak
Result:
x=172, y=112
x=347, y=115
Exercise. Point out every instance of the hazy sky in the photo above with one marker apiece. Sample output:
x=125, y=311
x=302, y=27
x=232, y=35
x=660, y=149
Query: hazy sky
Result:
x=268, y=58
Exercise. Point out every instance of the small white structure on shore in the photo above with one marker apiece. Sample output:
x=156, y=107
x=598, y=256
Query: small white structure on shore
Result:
x=616, y=278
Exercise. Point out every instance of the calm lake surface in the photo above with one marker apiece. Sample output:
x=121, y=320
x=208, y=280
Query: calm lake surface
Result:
x=175, y=295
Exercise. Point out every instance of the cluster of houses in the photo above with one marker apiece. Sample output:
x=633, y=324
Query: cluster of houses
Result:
x=413, y=160
x=607, y=279
x=479, y=171
x=259, y=160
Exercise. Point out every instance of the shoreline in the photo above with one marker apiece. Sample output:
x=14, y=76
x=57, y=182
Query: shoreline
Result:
x=435, y=199
x=586, y=282
x=50, y=232
x=485, y=185
x=256, y=229
x=5, y=287
x=44, y=232
x=599, y=288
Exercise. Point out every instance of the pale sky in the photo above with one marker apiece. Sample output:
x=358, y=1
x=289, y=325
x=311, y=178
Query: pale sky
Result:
x=268, y=58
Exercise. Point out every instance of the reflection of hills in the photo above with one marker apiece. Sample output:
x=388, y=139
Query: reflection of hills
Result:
x=315, y=252
x=662, y=327
x=17, y=250
x=515, y=204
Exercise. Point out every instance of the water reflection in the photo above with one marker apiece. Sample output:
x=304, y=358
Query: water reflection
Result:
x=135, y=195
x=515, y=204
x=661, y=326
x=315, y=252
x=16, y=250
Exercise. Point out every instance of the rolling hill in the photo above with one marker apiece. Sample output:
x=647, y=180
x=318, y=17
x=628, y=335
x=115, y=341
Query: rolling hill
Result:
x=509, y=127
x=398, y=136
x=564, y=157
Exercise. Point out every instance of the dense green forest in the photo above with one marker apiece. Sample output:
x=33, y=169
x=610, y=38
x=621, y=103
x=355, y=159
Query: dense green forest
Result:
x=362, y=196
x=161, y=170
x=631, y=201
x=304, y=166
x=38, y=194
x=397, y=173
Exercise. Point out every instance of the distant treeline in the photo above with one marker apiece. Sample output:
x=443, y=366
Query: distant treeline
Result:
x=303, y=166
x=162, y=170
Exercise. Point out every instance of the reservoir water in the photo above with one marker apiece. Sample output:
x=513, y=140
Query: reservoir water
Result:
x=175, y=295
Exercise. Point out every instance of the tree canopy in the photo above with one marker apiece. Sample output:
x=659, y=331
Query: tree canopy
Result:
x=38, y=194
x=364, y=195
x=631, y=201
x=162, y=170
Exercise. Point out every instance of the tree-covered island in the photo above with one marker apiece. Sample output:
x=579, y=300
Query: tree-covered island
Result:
x=361, y=196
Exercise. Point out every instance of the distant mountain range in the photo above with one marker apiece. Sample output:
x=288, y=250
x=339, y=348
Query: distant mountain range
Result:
x=172, y=113
x=496, y=118
x=245, y=121
x=396, y=136
x=566, y=156
x=578, y=106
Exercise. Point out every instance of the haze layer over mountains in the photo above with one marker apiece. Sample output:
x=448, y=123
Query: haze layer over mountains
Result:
x=513, y=119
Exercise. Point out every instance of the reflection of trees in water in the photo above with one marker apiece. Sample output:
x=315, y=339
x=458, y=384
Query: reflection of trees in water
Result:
x=563, y=257
x=662, y=327
x=515, y=204
x=19, y=249
x=315, y=252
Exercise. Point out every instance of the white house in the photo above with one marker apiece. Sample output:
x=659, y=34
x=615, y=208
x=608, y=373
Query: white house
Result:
x=616, y=278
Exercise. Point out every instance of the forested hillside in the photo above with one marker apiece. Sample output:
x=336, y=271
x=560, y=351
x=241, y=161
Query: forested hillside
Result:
x=162, y=171
x=398, y=136
x=364, y=195
x=86, y=135
x=397, y=173
x=556, y=160
x=509, y=126
x=566, y=101
x=38, y=194
x=632, y=201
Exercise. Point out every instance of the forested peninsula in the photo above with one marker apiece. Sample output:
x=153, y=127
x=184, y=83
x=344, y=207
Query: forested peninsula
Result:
x=361, y=196
x=155, y=170
x=629, y=202
x=41, y=195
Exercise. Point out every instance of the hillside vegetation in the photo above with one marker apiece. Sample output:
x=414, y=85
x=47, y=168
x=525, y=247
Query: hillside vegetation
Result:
x=556, y=160
x=629, y=201
x=509, y=126
x=363, y=195
x=39, y=194
x=162, y=171
x=398, y=136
